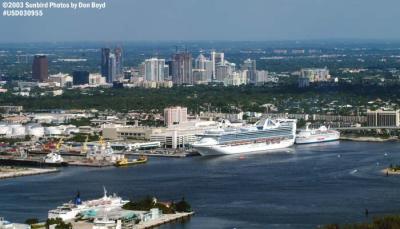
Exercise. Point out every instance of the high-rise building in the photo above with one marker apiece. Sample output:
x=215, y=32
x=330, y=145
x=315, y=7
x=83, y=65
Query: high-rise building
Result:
x=199, y=76
x=80, y=77
x=175, y=115
x=154, y=70
x=250, y=66
x=112, y=69
x=205, y=64
x=166, y=72
x=111, y=64
x=216, y=59
x=40, y=68
x=118, y=61
x=182, y=68
x=105, y=62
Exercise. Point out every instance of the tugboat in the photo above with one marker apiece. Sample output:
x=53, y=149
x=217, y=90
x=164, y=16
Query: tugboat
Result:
x=126, y=162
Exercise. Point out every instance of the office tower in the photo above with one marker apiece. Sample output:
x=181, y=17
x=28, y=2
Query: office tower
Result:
x=182, y=68
x=112, y=69
x=154, y=70
x=250, y=66
x=175, y=115
x=118, y=61
x=216, y=59
x=40, y=68
x=105, y=62
x=80, y=77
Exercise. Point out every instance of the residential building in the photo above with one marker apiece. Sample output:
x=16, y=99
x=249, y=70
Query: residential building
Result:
x=154, y=70
x=182, y=68
x=175, y=115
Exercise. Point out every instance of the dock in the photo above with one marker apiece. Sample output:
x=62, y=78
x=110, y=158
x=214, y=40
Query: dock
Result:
x=167, y=218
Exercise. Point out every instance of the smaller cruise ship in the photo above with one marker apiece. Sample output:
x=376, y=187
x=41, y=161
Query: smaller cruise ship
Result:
x=322, y=134
x=71, y=210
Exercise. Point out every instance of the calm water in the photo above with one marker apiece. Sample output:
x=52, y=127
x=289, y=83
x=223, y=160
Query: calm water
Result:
x=300, y=187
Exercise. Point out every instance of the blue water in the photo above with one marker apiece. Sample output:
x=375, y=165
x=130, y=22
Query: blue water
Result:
x=301, y=187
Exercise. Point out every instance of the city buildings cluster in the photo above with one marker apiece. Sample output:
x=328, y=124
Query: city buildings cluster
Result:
x=180, y=69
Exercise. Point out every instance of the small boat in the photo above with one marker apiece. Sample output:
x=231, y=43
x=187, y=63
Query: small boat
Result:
x=126, y=162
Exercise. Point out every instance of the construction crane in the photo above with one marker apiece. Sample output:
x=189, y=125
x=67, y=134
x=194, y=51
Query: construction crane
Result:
x=84, y=146
x=58, y=146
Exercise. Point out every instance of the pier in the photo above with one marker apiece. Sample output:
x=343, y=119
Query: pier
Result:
x=167, y=218
x=10, y=172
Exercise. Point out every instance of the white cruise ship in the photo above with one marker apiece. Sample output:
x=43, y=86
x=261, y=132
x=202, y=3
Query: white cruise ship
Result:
x=266, y=135
x=321, y=134
x=69, y=211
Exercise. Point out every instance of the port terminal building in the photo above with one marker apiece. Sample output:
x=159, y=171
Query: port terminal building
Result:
x=172, y=136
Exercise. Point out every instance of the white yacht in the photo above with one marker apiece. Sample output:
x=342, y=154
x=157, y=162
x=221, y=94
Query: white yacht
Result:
x=265, y=135
x=69, y=211
x=322, y=134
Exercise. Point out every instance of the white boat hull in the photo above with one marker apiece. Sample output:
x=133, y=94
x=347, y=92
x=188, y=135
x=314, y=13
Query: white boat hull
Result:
x=209, y=150
x=318, y=138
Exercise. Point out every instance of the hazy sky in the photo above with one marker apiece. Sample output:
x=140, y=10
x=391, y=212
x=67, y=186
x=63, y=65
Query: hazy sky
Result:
x=131, y=20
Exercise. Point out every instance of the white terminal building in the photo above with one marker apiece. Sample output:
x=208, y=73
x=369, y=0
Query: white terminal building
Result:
x=173, y=136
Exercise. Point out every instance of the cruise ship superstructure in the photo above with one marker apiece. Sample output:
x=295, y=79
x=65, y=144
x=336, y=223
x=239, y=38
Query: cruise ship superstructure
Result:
x=322, y=134
x=265, y=135
x=71, y=210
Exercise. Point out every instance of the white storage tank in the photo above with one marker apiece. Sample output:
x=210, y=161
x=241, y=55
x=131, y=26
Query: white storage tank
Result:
x=5, y=130
x=36, y=131
x=52, y=130
x=17, y=130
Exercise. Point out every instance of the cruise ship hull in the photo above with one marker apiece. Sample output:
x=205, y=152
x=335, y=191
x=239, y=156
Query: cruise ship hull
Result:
x=318, y=138
x=210, y=150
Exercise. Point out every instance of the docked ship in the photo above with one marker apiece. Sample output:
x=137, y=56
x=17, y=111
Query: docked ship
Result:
x=71, y=210
x=322, y=134
x=264, y=136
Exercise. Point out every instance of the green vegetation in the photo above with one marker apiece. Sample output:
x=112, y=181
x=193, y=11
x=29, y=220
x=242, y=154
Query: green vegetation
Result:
x=183, y=206
x=60, y=224
x=148, y=203
x=387, y=222
x=203, y=98
x=80, y=122
x=32, y=221
x=79, y=137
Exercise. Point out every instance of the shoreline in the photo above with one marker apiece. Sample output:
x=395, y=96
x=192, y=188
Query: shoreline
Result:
x=23, y=171
x=369, y=139
x=390, y=172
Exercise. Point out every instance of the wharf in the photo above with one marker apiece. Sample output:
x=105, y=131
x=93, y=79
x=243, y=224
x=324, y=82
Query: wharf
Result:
x=167, y=218
x=10, y=172
x=99, y=164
